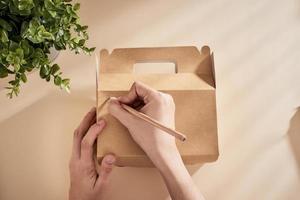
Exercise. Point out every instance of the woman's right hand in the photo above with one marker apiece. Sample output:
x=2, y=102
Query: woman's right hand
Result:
x=158, y=145
x=160, y=106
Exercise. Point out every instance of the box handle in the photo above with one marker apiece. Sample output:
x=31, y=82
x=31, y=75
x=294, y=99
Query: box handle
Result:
x=186, y=59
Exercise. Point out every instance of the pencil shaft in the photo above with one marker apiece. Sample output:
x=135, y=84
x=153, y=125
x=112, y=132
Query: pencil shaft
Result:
x=155, y=123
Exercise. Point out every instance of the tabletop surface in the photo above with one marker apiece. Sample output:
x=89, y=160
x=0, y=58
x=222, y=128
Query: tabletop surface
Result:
x=257, y=57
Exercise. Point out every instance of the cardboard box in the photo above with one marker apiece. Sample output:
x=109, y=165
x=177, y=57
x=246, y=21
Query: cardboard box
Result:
x=192, y=87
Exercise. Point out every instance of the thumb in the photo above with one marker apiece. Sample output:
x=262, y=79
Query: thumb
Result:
x=115, y=108
x=105, y=169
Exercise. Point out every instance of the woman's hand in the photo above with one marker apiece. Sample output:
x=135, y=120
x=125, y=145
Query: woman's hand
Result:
x=88, y=180
x=158, y=145
x=160, y=106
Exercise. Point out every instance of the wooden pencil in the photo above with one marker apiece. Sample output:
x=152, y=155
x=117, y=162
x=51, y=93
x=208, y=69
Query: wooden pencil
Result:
x=154, y=122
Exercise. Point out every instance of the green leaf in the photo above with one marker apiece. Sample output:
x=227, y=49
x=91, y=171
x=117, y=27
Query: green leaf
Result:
x=45, y=35
x=69, y=9
x=57, y=80
x=3, y=71
x=66, y=81
x=81, y=42
x=25, y=4
x=92, y=49
x=49, y=5
x=24, y=29
x=36, y=32
x=23, y=78
x=83, y=28
x=54, y=69
x=19, y=53
x=66, y=35
x=17, y=67
x=76, y=6
x=25, y=46
x=15, y=58
x=52, y=13
x=5, y=25
x=44, y=71
x=28, y=29
x=3, y=5
x=65, y=84
x=13, y=45
x=3, y=36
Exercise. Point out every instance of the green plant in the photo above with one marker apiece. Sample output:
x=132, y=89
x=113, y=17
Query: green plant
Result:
x=28, y=29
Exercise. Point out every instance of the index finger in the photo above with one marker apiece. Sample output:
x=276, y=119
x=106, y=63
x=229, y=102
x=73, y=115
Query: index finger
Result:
x=138, y=90
x=88, y=120
x=88, y=141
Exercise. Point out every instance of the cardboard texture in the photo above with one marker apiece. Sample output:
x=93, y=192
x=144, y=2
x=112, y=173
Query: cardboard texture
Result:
x=192, y=87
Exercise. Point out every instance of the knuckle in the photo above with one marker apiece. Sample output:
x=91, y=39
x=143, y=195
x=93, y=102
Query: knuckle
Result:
x=111, y=107
x=157, y=96
x=85, y=143
x=165, y=99
x=86, y=117
x=170, y=100
x=136, y=84
x=168, y=97
x=76, y=132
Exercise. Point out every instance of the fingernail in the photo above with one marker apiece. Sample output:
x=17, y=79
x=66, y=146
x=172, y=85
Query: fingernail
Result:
x=113, y=98
x=110, y=160
x=100, y=122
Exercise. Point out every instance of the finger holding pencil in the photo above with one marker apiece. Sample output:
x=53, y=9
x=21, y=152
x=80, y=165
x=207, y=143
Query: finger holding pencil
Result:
x=149, y=115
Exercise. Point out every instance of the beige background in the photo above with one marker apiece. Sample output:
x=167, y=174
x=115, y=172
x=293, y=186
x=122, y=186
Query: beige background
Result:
x=257, y=57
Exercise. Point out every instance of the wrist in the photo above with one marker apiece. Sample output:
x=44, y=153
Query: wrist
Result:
x=171, y=166
x=165, y=158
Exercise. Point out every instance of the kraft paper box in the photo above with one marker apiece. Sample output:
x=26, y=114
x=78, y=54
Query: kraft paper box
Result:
x=193, y=90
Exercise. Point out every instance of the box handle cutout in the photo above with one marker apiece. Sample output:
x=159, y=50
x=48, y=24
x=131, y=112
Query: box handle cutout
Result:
x=155, y=68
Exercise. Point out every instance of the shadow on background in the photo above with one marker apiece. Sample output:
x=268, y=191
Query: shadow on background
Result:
x=294, y=136
x=36, y=150
x=139, y=183
x=40, y=142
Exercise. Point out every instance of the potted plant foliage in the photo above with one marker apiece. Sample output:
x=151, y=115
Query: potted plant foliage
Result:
x=29, y=29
